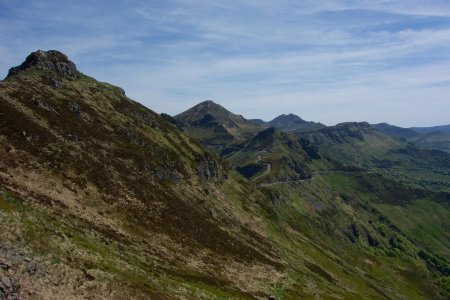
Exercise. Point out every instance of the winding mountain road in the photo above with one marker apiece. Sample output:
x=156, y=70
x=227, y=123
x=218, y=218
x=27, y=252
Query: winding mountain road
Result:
x=237, y=147
x=312, y=178
x=269, y=168
x=286, y=181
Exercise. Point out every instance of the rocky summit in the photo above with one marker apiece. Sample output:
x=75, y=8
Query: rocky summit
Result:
x=102, y=198
x=53, y=61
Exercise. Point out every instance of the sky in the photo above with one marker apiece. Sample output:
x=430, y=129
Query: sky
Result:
x=329, y=61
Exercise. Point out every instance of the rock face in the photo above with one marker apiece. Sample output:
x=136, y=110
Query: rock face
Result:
x=51, y=60
x=208, y=168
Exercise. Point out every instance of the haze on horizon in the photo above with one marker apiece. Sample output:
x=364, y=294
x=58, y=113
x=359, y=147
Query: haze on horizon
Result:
x=330, y=62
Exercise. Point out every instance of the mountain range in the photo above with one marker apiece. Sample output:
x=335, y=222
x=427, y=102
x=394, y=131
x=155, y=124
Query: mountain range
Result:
x=437, y=137
x=102, y=198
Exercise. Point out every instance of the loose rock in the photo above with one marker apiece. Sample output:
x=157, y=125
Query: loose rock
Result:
x=74, y=107
x=9, y=288
x=4, y=264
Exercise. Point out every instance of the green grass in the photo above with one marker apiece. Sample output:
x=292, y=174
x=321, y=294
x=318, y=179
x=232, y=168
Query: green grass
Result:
x=394, y=271
x=425, y=221
x=9, y=203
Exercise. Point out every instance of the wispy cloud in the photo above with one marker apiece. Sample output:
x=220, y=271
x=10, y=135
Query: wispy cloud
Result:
x=331, y=61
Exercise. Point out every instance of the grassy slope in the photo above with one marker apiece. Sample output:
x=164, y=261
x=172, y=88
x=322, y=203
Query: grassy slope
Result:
x=392, y=191
x=316, y=219
x=148, y=205
x=377, y=179
x=426, y=221
x=421, y=214
x=359, y=147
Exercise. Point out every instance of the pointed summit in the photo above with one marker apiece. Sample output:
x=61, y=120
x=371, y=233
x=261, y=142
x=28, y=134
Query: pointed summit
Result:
x=198, y=111
x=213, y=124
x=208, y=103
x=52, y=60
x=283, y=119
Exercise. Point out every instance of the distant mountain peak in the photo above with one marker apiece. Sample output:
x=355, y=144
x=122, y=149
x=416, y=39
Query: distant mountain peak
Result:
x=290, y=123
x=208, y=106
x=259, y=122
x=288, y=118
x=208, y=102
x=213, y=123
x=52, y=60
x=290, y=115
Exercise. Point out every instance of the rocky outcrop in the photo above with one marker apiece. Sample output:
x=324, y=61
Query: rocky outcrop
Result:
x=52, y=60
x=171, y=120
x=208, y=168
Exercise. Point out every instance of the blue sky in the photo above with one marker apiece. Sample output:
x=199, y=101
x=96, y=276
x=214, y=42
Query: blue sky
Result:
x=329, y=61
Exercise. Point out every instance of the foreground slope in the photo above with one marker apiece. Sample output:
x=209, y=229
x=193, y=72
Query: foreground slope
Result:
x=101, y=198
x=123, y=200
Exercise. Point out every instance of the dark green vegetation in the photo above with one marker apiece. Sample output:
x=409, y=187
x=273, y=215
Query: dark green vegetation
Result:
x=437, y=137
x=103, y=198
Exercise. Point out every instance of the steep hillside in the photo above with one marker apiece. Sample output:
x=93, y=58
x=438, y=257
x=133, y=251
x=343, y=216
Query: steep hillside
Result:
x=367, y=230
x=101, y=198
x=381, y=174
x=213, y=124
x=111, y=200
